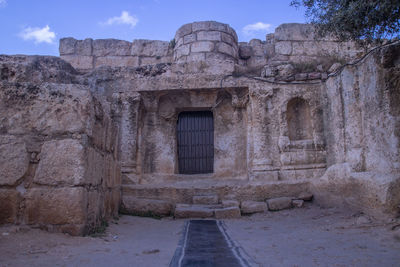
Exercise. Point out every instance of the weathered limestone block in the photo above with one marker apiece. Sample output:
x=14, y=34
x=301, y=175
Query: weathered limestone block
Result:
x=51, y=109
x=117, y=61
x=209, y=36
x=67, y=46
x=70, y=46
x=9, y=205
x=14, y=159
x=190, y=38
x=84, y=47
x=303, y=157
x=183, y=30
x=111, y=47
x=227, y=213
x=283, y=48
x=79, y=62
x=249, y=207
x=193, y=211
x=230, y=203
x=226, y=49
x=205, y=200
x=56, y=206
x=294, y=32
x=279, y=203
x=201, y=26
x=62, y=162
x=204, y=46
x=150, y=48
x=217, y=26
x=146, y=207
x=182, y=50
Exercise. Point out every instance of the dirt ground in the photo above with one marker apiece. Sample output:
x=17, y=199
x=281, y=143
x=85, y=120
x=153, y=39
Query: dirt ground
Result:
x=309, y=236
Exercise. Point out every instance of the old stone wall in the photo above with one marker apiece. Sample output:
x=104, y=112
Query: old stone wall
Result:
x=89, y=54
x=58, y=149
x=362, y=121
x=288, y=117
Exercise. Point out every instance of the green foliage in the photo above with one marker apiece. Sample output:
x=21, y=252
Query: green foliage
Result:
x=172, y=44
x=354, y=19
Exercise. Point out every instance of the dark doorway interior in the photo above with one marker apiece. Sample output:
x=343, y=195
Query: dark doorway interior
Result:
x=195, y=134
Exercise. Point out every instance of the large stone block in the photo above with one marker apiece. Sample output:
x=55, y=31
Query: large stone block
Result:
x=117, y=61
x=111, y=47
x=62, y=162
x=183, y=30
x=204, y=46
x=14, y=160
x=209, y=36
x=205, y=200
x=201, y=26
x=67, y=46
x=79, y=62
x=249, y=207
x=9, y=204
x=226, y=49
x=45, y=109
x=283, y=48
x=227, y=213
x=279, y=203
x=190, y=38
x=146, y=207
x=183, y=50
x=84, y=47
x=56, y=205
x=294, y=32
x=149, y=48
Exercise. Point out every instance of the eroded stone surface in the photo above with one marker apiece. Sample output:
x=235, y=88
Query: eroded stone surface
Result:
x=249, y=207
x=279, y=203
x=146, y=207
x=14, y=159
x=62, y=162
x=227, y=213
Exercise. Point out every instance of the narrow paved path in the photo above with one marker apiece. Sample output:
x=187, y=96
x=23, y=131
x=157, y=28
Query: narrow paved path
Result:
x=205, y=243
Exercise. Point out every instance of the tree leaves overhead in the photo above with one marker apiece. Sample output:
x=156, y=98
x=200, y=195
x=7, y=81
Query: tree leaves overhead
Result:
x=354, y=19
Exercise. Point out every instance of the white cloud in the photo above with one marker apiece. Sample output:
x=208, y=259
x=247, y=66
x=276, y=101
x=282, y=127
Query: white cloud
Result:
x=3, y=3
x=38, y=35
x=125, y=18
x=256, y=28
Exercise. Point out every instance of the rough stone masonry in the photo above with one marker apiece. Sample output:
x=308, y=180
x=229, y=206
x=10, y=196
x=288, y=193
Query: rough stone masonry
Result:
x=94, y=131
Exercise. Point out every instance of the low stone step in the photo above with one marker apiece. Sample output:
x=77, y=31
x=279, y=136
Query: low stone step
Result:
x=194, y=211
x=146, y=207
x=205, y=200
x=250, y=207
x=227, y=213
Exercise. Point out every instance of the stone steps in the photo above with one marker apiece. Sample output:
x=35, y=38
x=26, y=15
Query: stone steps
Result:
x=224, y=190
x=221, y=202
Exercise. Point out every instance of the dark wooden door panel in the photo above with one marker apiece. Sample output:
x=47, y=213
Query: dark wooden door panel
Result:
x=195, y=134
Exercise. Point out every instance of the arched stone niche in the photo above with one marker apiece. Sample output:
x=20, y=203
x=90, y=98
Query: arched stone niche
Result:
x=298, y=119
x=301, y=141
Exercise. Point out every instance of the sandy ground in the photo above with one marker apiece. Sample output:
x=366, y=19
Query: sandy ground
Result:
x=308, y=236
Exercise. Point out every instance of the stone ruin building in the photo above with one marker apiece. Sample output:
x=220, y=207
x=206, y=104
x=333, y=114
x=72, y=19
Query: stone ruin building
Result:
x=151, y=127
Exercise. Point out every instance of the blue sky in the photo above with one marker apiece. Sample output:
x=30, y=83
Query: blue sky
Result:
x=35, y=26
